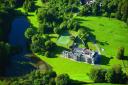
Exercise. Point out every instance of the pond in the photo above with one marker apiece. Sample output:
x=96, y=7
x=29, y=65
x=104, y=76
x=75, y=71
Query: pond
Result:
x=20, y=64
x=16, y=37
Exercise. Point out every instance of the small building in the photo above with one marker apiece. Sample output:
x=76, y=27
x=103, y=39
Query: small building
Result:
x=83, y=55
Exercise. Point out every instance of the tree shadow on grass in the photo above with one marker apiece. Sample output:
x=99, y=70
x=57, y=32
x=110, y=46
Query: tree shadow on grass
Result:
x=105, y=60
x=59, y=49
x=77, y=82
x=80, y=20
x=102, y=42
x=125, y=58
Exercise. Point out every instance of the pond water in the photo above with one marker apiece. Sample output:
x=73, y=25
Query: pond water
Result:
x=16, y=37
x=20, y=64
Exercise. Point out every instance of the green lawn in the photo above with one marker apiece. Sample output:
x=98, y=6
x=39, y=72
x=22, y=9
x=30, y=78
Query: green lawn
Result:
x=76, y=70
x=110, y=33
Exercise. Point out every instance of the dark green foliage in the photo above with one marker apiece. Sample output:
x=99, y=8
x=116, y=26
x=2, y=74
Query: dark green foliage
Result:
x=56, y=16
x=42, y=43
x=120, y=53
x=63, y=79
x=112, y=75
x=36, y=78
x=86, y=10
x=44, y=28
x=97, y=74
x=57, y=30
x=107, y=8
x=5, y=51
x=96, y=9
x=117, y=75
x=29, y=33
x=112, y=15
x=82, y=34
x=109, y=76
x=6, y=16
x=29, y=5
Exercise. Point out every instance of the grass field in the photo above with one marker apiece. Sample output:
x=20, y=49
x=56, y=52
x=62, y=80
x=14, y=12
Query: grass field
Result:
x=75, y=70
x=109, y=34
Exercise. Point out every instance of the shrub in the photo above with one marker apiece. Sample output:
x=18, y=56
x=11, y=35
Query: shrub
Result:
x=120, y=53
x=112, y=15
x=62, y=79
x=105, y=14
x=97, y=74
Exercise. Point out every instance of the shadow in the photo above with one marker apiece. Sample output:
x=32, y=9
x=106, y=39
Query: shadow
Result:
x=65, y=33
x=59, y=49
x=125, y=58
x=90, y=35
x=80, y=20
x=89, y=30
x=102, y=43
x=30, y=15
x=105, y=60
x=19, y=66
x=77, y=82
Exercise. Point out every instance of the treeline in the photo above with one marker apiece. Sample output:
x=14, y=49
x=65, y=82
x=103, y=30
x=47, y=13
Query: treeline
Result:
x=42, y=78
x=113, y=75
x=108, y=8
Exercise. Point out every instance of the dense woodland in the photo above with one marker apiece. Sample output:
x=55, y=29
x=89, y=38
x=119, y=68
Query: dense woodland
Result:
x=56, y=18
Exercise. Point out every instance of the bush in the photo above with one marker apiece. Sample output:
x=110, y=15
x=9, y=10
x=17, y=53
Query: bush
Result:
x=120, y=53
x=113, y=75
x=97, y=74
x=105, y=14
x=109, y=76
x=47, y=54
x=112, y=15
x=62, y=79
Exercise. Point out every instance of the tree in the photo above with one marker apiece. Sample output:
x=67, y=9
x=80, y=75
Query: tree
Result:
x=44, y=28
x=96, y=9
x=109, y=76
x=29, y=5
x=57, y=30
x=49, y=45
x=29, y=33
x=97, y=74
x=119, y=76
x=124, y=10
x=120, y=53
x=5, y=51
x=62, y=79
x=82, y=34
x=37, y=44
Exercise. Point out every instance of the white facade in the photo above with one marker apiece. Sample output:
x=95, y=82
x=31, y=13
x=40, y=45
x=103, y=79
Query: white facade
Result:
x=82, y=55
